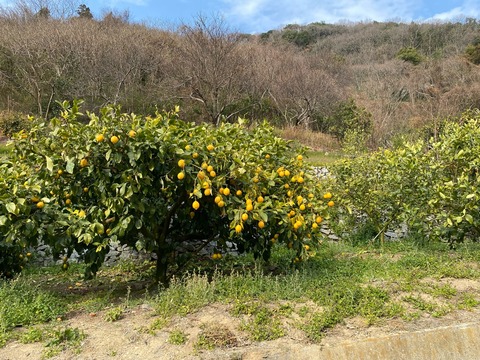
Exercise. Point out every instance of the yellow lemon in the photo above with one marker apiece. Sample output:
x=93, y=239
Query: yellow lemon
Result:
x=238, y=228
x=99, y=137
x=83, y=162
x=132, y=133
x=239, y=193
x=260, y=199
x=244, y=217
x=196, y=205
x=114, y=139
x=261, y=224
x=330, y=203
x=221, y=203
x=327, y=196
x=40, y=204
x=181, y=175
x=218, y=199
x=181, y=163
x=299, y=157
x=226, y=191
x=210, y=147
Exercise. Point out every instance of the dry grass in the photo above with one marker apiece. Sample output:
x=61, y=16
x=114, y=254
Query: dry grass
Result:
x=314, y=140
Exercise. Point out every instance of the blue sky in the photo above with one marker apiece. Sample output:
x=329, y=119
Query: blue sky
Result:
x=256, y=16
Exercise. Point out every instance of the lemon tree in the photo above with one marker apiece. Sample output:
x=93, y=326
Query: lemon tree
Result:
x=164, y=185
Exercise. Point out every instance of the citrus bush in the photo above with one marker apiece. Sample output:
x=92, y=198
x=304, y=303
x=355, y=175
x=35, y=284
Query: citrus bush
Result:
x=164, y=185
x=455, y=165
x=433, y=187
x=382, y=186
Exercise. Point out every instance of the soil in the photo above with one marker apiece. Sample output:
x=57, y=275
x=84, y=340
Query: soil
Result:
x=131, y=336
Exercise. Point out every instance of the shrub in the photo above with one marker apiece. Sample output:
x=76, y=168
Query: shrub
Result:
x=410, y=54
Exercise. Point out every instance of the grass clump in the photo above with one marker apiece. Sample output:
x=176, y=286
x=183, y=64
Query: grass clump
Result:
x=24, y=304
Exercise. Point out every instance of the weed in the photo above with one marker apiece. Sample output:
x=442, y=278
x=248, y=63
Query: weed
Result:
x=263, y=325
x=63, y=339
x=114, y=314
x=177, y=337
x=215, y=335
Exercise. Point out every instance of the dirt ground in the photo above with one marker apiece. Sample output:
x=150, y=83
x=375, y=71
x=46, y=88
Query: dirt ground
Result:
x=128, y=338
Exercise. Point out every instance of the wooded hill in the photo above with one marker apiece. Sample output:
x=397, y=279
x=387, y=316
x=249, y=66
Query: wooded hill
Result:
x=380, y=79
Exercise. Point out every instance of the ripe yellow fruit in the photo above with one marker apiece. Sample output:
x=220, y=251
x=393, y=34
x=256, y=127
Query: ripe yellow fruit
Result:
x=226, y=191
x=114, y=139
x=188, y=147
x=306, y=247
x=208, y=192
x=314, y=226
x=302, y=207
x=196, y=205
x=286, y=186
x=83, y=162
x=204, y=165
x=40, y=204
x=318, y=220
x=238, y=228
x=310, y=196
x=249, y=207
x=330, y=203
x=210, y=147
x=218, y=199
x=221, y=204
x=220, y=190
x=299, y=157
x=81, y=214
x=287, y=173
x=297, y=225
x=327, y=196
x=281, y=173
x=291, y=214
x=60, y=172
x=239, y=193
x=249, y=202
x=260, y=199
x=35, y=199
x=255, y=179
x=68, y=202
x=206, y=185
x=85, y=189
x=261, y=224
x=99, y=137
x=300, y=180
x=181, y=175
x=244, y=217
x=195, y=155
x=212, y=174
x=299, y=199
x=201, y=175
x=289, y=193
x=181, y=163
x=267, y=156
x=132, y=133
x=216, y=256
x=209, y=168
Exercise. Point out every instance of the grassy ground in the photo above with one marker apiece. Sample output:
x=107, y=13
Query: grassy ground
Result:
x=401, y=280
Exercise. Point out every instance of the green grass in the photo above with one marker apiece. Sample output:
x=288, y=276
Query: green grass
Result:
x=404, y=280
x=323, y=158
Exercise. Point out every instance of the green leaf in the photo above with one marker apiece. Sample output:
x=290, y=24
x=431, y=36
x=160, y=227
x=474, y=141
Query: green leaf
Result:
x=108, y=154
x=11, y=207
x=70, y=166
x=3, y=220
x=49, y=163
x=469, y=218
x=263, y=215
x=470, y=196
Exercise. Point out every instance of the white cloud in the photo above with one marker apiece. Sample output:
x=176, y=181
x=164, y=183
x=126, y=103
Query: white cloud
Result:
x=469, y=8
x=261, y=15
